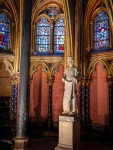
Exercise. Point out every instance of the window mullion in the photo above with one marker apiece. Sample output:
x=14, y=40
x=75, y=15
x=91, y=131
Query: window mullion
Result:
x=52, y=37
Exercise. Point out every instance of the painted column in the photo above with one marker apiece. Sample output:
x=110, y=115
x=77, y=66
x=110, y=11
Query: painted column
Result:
x=50, y=83
x=14, y=97
x=110, y=83
x=21, y=140
x=85, y=112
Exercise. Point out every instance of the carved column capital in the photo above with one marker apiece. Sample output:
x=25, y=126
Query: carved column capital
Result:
x=110, y=80
x=85, y=81
x=16, y=78
x=50, y=80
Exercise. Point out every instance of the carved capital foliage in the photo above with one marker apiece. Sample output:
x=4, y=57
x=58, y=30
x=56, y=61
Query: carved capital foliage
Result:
x=110, y=80
x=50, y=80
x=85, y=81
x=16, y=78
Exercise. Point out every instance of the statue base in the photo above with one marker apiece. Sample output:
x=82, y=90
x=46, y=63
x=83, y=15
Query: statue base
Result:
x=21, y=144
x=69, y=133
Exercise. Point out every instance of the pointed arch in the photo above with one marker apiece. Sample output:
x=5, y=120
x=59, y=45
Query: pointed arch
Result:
x=38, y=6
x=33, y=68
x=49, y=40
x=91, y=9
x=10, y=9
x=92, y=67
x=9, y=66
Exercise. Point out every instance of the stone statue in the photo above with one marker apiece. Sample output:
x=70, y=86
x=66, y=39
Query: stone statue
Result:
x=70, y=79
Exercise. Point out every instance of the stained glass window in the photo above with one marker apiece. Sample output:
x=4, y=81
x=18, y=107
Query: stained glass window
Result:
x=43, y=36
x=52, y=11
x=101, y=31
x=59, y=36
x=4, y=32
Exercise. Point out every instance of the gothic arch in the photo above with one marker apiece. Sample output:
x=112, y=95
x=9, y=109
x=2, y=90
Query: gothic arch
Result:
x=10, y=8
x=92, y=67
x=92, y=8
x=33, y=68
x=8, y=64
x=49, y=70
x=55, y=67
x=39, y=6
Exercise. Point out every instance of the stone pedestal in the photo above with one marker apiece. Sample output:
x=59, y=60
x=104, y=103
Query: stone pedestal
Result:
x=69, y=133
x=21, y=144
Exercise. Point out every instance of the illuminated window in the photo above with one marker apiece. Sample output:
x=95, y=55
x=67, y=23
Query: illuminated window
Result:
x=4, y=32
x=43, y=36
x=59, y=35
x=50, y=32
x=101, y=31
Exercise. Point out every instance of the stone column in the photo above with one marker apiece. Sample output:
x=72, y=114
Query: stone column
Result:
x=50, y=83
x=21, y=139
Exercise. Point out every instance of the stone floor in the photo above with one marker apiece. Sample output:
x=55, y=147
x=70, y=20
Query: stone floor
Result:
x=51, y=143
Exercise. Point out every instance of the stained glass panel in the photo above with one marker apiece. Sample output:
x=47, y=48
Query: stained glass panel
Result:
x=52, y=11
x=59, y=36
x=43, y=36
x=4, y=32
x=101, y=31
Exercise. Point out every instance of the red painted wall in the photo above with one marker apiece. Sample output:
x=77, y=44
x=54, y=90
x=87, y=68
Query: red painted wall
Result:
x=39, y=96
x=57, y=97
x=99, y=101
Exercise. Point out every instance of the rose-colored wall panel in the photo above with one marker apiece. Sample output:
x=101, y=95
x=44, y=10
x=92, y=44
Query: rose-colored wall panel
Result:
x=39, y=96
x=99, y=97
x=57, y=97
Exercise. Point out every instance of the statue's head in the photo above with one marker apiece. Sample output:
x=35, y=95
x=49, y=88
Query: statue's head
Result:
x=70, y=61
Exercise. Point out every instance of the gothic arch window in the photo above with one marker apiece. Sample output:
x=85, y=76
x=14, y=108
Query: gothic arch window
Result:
x=101, y=31
x=49, y=31
x=4, y=32
x=59, y=36
x=43, y=36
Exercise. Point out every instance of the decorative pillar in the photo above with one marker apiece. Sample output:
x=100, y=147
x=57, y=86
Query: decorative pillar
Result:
x=50, y=83
x=110, y=84
x=85, y=112
x=21, y=140
x=14, y=97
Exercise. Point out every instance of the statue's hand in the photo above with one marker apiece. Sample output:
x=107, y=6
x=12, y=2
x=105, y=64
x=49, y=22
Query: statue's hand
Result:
x=75, y=80
x=63, y=80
